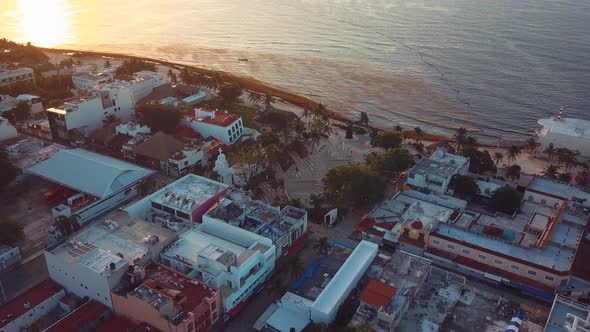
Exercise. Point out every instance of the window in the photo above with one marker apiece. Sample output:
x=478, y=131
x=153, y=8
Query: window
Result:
x=167, y=209
x=183, y=215
x=450, y=246
x=549, y=278
x=497, y=261
x=514, y=267
x=466, y=251
x=481, y=256
x=531, y=272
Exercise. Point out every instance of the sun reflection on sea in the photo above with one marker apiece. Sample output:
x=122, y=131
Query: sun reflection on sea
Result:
x=44, y=22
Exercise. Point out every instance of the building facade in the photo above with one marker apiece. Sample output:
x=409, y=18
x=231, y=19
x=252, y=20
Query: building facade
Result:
x=223, y=126
x=436, y=172
x=11, y=76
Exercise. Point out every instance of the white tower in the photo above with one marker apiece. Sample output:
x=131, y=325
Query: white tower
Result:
x=222, y=169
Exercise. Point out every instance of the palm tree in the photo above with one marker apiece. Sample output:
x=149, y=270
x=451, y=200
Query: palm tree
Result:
x=549, y=151
x=418, y=134
x=172, y=76
x=471, y=141
x=513, y=172
x=254, y=97
x=268, y=100
x=551, y=171
x=565, y=177
x=398, y=128
x=498, y=157
x=67, y=225
x=460, y=137
x=567, y=157
x=322, y=245
x=532, y=146
x=513, y=152
x=294, y=266
x=275, y=288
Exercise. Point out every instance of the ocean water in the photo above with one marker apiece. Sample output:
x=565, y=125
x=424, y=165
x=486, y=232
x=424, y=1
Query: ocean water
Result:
x=494, y=66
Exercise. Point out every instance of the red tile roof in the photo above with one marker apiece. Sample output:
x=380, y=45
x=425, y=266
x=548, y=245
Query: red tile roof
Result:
x=192, y=292
x=122, y=324
x=221, y=119
x=378, y=294
x=34, y=296
x=186, y=132
x=80, y=318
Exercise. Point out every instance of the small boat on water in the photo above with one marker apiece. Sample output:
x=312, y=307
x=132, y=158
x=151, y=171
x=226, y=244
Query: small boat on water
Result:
x=243, y=59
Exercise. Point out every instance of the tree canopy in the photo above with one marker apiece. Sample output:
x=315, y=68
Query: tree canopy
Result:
x=388, y=140
x=505, y=200
x=26, y=54
x=353, y=185
x=392, y=162
x=230, y=93
x=133, y=65
x=159, y=117
x=11, y=232
x=480, y=162
x=464, y=186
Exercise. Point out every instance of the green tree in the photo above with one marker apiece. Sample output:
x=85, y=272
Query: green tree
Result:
x=550, y=171
x=532, y=146
x=294, y=266
x=513, y=153
x=159, y=117
x=268, y=100
x=513, y=172
x=68, y=225
x=322, y=245
x=107, y=64
x=498, y=157
x=418, y=134
x=480, y=162
x=388, y=140
x=506, y=200
x=21, y=111
x=353, y=185
x=565, y=177
x=464, y=186
x=276, y=288
x=460, y=137
x=550, y=151
x=230, y=94
x=250, y=160
x=567, y=157
x=132, y=66
x=11, y=232
x=8, y=171
x=390, y=163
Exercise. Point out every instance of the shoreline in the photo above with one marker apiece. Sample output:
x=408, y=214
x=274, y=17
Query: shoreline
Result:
x=255, y=85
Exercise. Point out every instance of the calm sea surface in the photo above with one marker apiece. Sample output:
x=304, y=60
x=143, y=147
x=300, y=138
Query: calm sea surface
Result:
x=495, y=66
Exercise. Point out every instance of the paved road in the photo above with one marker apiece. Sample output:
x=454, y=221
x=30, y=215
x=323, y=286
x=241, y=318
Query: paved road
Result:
x=23, y=277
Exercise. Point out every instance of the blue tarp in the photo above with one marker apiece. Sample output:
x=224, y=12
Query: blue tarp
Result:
x=307, y=274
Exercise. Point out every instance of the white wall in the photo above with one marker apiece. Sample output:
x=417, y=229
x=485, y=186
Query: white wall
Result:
x=7, y=131
x=144, y=87
x=220, y=133
x=81, y=280
x=566, y=141
x=29, y=317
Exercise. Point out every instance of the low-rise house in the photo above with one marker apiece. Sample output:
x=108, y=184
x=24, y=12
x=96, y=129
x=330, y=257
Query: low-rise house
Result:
x=224, y=126
x=36, y=127
x=224, y=257
x=21, y=312
x=168, y=300
x=568, y=133
x=435, y=173
x=87, y=81
x=93, y=262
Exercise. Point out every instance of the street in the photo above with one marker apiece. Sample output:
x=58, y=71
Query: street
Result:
x=22, y=278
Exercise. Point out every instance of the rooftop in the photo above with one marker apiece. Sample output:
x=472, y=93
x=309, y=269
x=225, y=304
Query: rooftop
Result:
x=441, y=164
x=81, y=318
x=567, y=126
x=109, y=175
x=377, y=293
x=216, y=118
x=187, y=192
x=292, y=312
x=563, y=306
x=31, y=151
x=160, y=146
x=17, y=307
x=561, y=189
x=114, y=242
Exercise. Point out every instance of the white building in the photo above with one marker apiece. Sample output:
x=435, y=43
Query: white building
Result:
x=284, y=227
x=184, y=162
x=92, y=262
x=87, y=114
x=226, y=127
x=132, y=129
x=108, y=182
x=143, y=83
x=21, y=312
x=184, y=200
x=436, y=172
x=567, y=133
x=11, y=76
x=223, y=257
x=87, y=81
x=7, y=130
x=9, y=256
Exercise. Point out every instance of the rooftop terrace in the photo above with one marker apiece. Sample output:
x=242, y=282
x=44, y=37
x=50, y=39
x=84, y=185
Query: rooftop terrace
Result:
x=187, y=192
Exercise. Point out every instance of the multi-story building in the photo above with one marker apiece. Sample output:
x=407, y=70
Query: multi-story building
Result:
x=87, y=81
x=110, y=182
x=184, y=201
x=284, y=227
x=167, y=300
x=567, y=133
x=87, y=113
x=143, y=83
x=436, y=172
x=224, y=257
x=11, y=76
x=224, y=126
x=93, y=262
x=21, y=312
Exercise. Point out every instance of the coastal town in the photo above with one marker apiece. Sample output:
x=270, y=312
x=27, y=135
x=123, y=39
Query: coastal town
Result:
x=143, y=195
